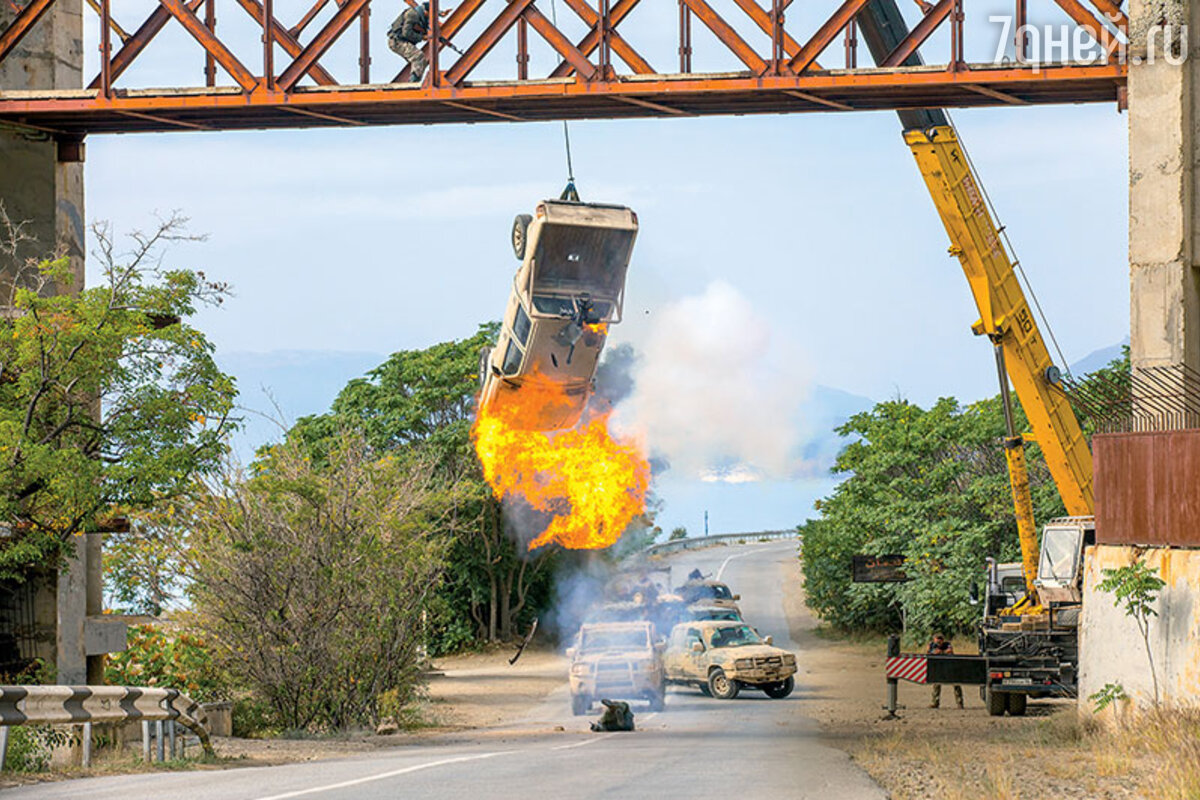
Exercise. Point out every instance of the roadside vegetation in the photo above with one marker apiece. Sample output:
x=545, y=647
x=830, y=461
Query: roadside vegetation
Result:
x=930, y=484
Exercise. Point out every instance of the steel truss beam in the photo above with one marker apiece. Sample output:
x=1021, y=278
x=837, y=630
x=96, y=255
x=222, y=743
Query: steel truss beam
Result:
x=585, y=83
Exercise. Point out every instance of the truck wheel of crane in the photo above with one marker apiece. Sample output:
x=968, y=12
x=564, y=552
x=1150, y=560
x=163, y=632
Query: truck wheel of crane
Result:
x=580, y=704
x=722, y=686
x=778, y=691
x=1016, y=704
x=520, y=235
x=996, y=702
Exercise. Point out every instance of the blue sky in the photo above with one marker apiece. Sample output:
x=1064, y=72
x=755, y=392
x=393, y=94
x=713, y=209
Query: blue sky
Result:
x=383, y=239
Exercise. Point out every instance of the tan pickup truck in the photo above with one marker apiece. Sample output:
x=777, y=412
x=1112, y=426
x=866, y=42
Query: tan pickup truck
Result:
x=569, y=288
x=721, y=658
x=616, y=660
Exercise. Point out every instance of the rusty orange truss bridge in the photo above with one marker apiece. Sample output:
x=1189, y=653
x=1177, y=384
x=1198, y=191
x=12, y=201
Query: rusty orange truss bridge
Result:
x=282, y=83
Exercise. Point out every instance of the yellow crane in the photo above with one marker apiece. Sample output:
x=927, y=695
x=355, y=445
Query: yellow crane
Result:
x=1021, y=353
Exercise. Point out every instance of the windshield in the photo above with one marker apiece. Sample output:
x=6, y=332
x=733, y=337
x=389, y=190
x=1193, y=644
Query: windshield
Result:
x=598, y=641
x=576, y=256
x=1060, y=554
x=734, y=636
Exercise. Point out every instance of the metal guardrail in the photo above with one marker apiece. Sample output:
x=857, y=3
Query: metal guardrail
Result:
x=712, y=541
x=85, y=705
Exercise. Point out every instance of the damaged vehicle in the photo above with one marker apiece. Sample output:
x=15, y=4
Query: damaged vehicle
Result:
x=569, y=288
x=710, y=593
x=616, y=660
x=721, y=658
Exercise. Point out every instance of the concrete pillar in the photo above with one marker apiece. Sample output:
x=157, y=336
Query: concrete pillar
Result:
x=1163, y=138
x=41, y=187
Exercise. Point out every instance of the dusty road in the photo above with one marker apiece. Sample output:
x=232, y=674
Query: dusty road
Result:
x=698, y=747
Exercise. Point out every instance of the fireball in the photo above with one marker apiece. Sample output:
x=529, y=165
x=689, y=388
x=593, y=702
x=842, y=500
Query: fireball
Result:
x=591, y=483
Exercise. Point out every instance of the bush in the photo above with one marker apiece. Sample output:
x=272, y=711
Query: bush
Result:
x=254, y=719
x=312, y=580
x=30, y=747
x=173, y=659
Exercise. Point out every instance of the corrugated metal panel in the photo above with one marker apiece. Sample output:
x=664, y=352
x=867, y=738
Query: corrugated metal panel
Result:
x=1148, y=488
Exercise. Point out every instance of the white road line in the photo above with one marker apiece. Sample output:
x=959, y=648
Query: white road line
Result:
x=725, y=563
x=584, y=743
x=382, y=776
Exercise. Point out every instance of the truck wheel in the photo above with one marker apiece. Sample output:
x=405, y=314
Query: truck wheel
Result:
x=996, y=702
x=1016, y=704
x=778, y=691
x=485, y=360
x=520, y=235
x=580, y=704
x=722, y=686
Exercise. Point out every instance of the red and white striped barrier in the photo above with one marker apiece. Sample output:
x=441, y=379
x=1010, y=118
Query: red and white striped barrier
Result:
x=908, y=668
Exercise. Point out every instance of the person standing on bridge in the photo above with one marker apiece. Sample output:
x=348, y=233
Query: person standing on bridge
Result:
x=940, y=646
x=406, y=37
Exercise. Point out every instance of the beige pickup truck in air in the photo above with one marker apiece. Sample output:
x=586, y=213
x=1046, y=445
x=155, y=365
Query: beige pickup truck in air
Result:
x=720, y=658
x=569, y=288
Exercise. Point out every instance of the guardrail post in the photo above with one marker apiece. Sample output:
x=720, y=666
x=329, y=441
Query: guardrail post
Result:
x=145, y=740
x=3, y=746
x=158, y=740
x=171, y=734
x=86, y=758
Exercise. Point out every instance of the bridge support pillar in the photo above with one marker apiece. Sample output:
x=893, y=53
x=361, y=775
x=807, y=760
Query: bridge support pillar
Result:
x=1164, y=271
x=41, y=187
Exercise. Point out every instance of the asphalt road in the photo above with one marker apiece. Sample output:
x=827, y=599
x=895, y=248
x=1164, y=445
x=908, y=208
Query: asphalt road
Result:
x=744, y=749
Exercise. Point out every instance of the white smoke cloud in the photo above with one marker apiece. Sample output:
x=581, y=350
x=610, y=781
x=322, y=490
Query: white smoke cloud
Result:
x=715, y=392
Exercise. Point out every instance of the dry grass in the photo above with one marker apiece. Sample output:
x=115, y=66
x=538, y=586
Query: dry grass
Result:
x=1155, y=755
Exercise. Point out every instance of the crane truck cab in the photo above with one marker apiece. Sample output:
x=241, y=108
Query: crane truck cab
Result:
x=567, y=291
x=1037, y=655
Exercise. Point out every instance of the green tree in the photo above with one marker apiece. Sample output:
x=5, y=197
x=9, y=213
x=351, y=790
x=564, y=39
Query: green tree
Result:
x=423, y=401
x=109, y=400
x=930, y=484
x=677, y=533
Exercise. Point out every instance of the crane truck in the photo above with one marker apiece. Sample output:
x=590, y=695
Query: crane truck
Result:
x=1028, y=647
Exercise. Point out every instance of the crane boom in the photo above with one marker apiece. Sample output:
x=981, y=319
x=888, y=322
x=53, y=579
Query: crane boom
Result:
x=1004, y=313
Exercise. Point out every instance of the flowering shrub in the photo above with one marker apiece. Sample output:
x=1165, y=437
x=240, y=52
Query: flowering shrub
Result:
x=174, y=659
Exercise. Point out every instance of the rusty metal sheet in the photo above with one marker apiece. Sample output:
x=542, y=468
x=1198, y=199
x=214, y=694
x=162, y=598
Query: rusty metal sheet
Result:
x=1148, y=488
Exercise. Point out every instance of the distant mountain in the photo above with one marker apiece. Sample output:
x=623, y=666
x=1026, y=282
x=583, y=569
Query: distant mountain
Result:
x=1098, y=359
x=299, y=382
x=825, y=409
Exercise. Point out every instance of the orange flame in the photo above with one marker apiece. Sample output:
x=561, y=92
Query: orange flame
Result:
x=597, y=327
x=593, y=485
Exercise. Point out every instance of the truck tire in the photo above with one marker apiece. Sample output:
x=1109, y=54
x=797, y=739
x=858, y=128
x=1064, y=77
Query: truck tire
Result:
x=778, y=691
x=520, y=235
x=1016, y=704
x=722, y=686
x=580, y=704
x=996, y=702
x=485, y=360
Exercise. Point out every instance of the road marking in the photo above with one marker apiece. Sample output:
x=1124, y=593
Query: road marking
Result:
x=573, y=745
x=583, y=743
x=383, y=775
x=725, y=563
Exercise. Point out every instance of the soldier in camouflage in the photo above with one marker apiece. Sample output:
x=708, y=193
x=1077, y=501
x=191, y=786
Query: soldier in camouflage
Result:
x=616, y=717
x=406, y=38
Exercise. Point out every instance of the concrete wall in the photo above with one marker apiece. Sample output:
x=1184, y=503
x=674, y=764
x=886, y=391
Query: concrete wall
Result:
x=1112, y=645
x=41, y=187
x=1164, y=132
